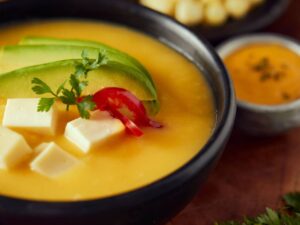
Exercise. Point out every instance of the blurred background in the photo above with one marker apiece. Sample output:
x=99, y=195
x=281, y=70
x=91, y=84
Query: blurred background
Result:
x=220, y=19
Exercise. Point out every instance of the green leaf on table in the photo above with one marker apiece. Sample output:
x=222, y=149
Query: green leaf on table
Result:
x=271, y=217
x=292, y=201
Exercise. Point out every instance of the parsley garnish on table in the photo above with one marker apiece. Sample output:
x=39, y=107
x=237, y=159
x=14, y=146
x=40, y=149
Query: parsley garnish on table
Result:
x=77, y=82
x=289, y=215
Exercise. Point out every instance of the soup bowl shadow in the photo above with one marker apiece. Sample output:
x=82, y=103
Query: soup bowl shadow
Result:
x=158, y=202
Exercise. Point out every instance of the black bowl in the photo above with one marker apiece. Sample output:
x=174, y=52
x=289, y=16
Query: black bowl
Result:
x=160, y=201
x=258, y=18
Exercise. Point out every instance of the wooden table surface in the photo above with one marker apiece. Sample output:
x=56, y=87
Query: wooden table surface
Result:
x=254, y=172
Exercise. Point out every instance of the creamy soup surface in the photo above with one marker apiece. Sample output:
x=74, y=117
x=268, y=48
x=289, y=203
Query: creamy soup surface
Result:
x=125, y=163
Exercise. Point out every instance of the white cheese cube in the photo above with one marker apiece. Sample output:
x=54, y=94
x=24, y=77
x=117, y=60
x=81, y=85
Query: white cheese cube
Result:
x=23, y=114
x=237, y=8
x=215, y=13
x=53, y=161
x=88, y=134
x=14, y=149
x=41, y=147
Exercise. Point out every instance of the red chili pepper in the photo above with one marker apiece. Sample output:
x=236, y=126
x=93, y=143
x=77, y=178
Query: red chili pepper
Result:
x=125, y=106
x=131, y=127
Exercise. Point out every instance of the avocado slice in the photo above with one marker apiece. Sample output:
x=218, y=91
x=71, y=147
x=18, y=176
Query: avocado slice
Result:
x=32, y=40
x=17, y=83
x=19, y=56
x=33, y=52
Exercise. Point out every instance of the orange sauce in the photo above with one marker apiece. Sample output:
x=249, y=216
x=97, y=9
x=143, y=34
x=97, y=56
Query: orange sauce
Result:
x=265, y=73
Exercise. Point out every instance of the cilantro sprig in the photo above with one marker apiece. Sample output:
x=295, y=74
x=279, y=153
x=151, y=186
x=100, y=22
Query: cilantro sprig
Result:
x=287, y=216
x=292, y=201
x=77, y=82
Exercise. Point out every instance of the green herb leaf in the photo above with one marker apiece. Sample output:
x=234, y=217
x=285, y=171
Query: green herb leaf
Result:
x=100, y=61
x=45, y=104
x=80, y=70
x=292, y=201
x=85, y=106
x=83, y=85
x=68, y=97
x=77, y=83
x=60, y=88
x=271, y=217
x=84, y=54
x=40, y=87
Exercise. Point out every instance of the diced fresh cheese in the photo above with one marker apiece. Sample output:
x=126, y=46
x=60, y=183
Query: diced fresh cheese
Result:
x=14, y=148
x=163, y=6
x=88, y=134
x=215, y=13
x=23, y=114
x=41, y=147
x=237, y=8
x=53, y=161
x=189, y=12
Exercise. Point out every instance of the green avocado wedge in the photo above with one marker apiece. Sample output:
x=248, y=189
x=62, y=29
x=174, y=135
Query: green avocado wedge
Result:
x=35, y=40
x=17, y=83
x=19, y=56
x=42, y=57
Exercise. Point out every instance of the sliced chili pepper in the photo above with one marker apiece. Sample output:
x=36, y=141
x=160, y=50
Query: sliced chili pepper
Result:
x=123, y=105
x=131, y=127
